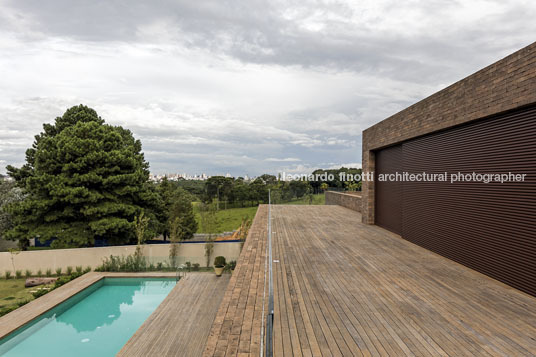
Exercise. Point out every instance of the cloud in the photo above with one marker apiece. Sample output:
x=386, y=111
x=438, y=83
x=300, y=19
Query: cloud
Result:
x=243, y=87
x=287, y=159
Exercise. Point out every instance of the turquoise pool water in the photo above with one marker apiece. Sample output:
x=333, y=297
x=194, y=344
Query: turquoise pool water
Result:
x=98, y=321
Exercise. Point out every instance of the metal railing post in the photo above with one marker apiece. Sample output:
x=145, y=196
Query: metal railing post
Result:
x=270, y=317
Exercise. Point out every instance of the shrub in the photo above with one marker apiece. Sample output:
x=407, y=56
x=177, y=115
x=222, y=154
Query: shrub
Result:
x=7, y=274
x=58, y=271
x=28, y=273
x=219, y=262
x=48, y=272
x=135, y=263
x=230, y=266
x=69, y=270
x=159, y=266
x=59, y=282
x=75, y=275
x=39, y=272
x=18, y=274
x=22, y=302
x=111, y=264
x=62, y=280
x=67, y=278
x=195, y=266
x=173, y=251
x=8, y=309
x=188, y=266
x=79, y=269
x=151, y=267
x=39, y=293
x=87, y=269
x=131, y=264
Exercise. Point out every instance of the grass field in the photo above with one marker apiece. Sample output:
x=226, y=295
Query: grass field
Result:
x=229, y=219
x=12, y=291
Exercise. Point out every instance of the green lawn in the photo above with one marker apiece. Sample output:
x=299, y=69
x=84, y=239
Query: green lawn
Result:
x=230, y=219
x=12, y=291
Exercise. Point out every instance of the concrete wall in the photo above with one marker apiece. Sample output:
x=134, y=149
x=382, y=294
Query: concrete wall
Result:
x=505, y=85
x=55, y=258
x=351, y=200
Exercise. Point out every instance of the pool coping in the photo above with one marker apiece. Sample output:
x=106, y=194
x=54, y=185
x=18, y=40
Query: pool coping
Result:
x=35, y=308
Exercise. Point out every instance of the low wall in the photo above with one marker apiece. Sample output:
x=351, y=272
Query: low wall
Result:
x=62, y=258
x=351, y=200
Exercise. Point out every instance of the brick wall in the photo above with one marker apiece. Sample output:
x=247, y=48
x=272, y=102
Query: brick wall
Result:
x=505, y=85
x=348, y=200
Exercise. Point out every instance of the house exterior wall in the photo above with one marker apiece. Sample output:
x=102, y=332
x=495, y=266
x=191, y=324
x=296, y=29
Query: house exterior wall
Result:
x=505, y=85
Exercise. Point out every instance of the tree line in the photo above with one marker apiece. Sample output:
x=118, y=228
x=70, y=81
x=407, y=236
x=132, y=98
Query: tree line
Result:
x=85, y=180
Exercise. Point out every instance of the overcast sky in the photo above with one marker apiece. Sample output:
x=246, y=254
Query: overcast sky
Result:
x=244, y=87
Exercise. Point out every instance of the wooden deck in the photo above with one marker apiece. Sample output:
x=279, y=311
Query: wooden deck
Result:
x=237, y=327
x=345, y=288
x=181, y=324
x=37, y=307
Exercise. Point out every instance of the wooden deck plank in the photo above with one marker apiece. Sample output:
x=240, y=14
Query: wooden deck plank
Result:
x=396, y=298
x=345, y=288
x=237, y=327
x=181, y=324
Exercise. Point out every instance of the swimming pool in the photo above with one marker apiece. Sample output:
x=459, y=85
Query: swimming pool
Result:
x=97, y=321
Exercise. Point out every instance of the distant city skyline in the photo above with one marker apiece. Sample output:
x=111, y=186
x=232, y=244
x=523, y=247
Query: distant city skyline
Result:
x=185, y=176
x=204, y=175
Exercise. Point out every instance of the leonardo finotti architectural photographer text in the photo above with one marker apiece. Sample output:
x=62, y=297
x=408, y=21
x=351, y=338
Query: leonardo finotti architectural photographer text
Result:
x=412, y=177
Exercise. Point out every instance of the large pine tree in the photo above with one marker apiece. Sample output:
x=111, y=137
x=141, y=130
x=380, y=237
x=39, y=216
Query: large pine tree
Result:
x=84, y=180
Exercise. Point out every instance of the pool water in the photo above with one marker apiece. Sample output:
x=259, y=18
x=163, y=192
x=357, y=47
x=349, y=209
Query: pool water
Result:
x=98, y=321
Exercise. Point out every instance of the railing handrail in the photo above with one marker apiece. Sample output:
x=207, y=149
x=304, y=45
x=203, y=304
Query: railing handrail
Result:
x=270, y=317
x=266, y=348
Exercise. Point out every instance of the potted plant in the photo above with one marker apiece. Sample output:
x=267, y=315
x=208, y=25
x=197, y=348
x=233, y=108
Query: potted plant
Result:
x=219, y=265
x=232, y=265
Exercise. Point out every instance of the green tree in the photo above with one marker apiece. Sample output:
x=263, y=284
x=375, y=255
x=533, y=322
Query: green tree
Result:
x=182, y=223
x=182, y=220
x=351, y=186
x=209, y=249
x=140, y=225
x=268, y=179
x=84, y=179
x=259, y=191
x=9, y=194
x=166, y=192
x=299, y=188
x=241, y=192
x=221, y=188
x=209, y=219
x=175, y=232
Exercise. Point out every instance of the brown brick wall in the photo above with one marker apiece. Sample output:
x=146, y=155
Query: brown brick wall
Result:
x=348, y=200
x=507, y=84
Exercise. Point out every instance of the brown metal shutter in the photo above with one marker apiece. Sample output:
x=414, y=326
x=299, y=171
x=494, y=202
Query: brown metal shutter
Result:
x=488, y=227
x=389, y=194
